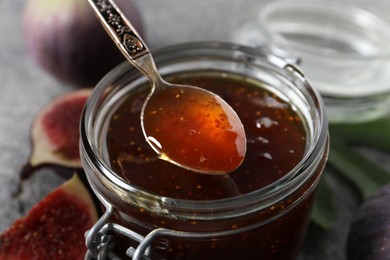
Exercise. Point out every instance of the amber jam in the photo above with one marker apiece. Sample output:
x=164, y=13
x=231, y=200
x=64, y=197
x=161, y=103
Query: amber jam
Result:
x=258, y=211
x=276, y=141
x=208, y=135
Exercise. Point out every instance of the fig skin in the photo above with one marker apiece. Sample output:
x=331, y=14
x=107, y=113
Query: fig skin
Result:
x=55, y=135
x=54, y=228
x=369, y=235
x=66, y=39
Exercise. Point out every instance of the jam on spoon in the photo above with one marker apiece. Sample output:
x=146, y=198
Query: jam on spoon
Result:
x=186, y=125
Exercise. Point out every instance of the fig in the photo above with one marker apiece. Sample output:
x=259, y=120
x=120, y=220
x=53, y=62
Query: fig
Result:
x=55, y=134
x=369, y=235
x=54, y=228
x=67, y=40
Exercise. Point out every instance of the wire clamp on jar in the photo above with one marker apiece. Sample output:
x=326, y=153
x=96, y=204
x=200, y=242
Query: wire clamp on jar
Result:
x=100, y=238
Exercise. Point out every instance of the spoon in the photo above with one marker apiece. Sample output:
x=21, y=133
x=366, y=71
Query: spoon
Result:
x=186, y=125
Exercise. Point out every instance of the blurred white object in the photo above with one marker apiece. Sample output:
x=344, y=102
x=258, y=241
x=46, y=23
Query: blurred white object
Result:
x=345, y=52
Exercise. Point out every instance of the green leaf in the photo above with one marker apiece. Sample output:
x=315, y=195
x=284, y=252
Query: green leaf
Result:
x=375, y=134
x=324, y=212
x=366, y=175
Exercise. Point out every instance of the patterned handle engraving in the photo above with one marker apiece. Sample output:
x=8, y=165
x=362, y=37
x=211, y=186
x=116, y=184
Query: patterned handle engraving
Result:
x=124, y=33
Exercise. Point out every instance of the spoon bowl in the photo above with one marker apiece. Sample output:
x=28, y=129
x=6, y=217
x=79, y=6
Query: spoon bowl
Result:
x=186, y=125
x=194, y=128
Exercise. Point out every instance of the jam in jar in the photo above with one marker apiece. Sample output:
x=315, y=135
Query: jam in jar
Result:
x=161, y=211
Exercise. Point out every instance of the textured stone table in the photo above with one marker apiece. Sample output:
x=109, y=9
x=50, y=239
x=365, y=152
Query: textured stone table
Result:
x=25, y=88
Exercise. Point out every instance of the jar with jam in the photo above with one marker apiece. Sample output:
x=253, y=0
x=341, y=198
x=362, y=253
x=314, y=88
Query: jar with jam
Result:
x=157, y=210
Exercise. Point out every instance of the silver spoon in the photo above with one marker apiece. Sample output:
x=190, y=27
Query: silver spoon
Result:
x=186, y=125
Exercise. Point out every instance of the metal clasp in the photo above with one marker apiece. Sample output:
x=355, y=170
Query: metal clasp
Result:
x=99, y=242
x=100, y=238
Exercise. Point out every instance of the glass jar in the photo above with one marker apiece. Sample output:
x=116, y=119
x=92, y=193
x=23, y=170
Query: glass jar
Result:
x=267, y=223
x=342, y=48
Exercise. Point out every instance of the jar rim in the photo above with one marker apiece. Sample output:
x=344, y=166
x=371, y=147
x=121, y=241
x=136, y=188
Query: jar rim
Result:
x=352, y=15
x=296, y=175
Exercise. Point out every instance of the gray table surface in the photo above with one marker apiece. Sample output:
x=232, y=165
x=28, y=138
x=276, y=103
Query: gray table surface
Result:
x=25, y=88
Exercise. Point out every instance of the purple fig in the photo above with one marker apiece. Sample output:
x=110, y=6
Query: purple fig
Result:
x=66, y=39
x=55, y=134
x=369, y=236
x=54, y=228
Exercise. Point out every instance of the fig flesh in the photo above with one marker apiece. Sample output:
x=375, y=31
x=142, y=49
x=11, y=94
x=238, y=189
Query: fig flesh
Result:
x=67, y=41
x=369, y=236
x=54, y=228
x=55, y=134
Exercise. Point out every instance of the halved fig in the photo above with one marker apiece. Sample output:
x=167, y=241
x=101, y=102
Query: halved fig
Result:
x=55, y=134
x=54, y=228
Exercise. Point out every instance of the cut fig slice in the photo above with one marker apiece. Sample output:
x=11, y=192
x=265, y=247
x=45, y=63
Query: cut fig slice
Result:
x=54, y=228
x=55, y=134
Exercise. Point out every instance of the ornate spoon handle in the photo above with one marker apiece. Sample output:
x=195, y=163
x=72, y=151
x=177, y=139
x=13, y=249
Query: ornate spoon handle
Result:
x=119, y=28
x=126, y=37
